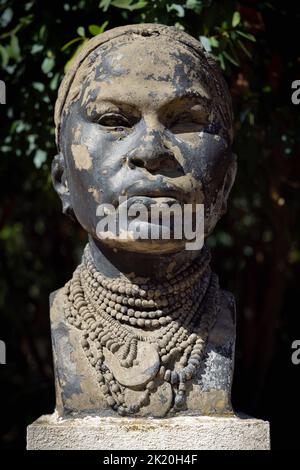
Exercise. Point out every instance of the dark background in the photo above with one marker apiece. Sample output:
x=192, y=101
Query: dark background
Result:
x=256, y=248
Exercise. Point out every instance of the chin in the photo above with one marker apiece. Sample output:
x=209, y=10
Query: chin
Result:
x=126, y=242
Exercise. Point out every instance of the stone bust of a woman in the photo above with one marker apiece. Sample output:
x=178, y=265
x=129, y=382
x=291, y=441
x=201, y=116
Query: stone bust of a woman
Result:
x=143, y=328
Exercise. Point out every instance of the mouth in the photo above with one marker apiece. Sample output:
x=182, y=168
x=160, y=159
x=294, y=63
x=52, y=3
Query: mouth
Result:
x=158, y=193
x=146, y=212
x=150, y=202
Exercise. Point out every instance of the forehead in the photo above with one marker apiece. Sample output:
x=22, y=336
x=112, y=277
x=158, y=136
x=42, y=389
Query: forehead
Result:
x=145, y=70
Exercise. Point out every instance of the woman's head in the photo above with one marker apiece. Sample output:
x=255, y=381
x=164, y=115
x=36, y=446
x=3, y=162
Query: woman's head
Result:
x=143, y=112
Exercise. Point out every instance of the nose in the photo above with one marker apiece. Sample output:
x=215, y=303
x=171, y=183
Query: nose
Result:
x=153, y=155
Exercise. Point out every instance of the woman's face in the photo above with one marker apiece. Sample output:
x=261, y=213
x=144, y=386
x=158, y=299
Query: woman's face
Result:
x=147, y=123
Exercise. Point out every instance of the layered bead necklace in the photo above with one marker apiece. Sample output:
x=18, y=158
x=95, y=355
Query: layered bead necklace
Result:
x=169, y=321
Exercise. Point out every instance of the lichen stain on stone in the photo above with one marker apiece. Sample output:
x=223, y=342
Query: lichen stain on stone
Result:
x=153, y=74
x=177, y=153
x=82, y=158
x=137, y=428
x=77, y=133
x=96, y=194
x=171, y=267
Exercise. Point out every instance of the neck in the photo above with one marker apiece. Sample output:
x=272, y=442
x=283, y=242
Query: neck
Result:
x=146, y=266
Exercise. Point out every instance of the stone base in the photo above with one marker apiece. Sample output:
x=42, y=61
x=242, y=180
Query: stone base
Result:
x=177, y=433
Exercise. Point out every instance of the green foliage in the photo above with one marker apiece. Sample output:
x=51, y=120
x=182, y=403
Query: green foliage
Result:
x=35, y=68
x=219, y=38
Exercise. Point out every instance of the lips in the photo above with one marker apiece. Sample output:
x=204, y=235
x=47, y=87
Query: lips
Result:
x=150, y=201
x=159, y=192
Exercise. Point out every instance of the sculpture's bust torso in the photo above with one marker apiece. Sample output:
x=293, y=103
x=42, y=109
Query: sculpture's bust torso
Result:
x=78, y=388
x=143, y=328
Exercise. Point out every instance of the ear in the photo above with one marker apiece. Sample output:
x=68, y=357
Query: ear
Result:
x=60, y=183
x=228, y=182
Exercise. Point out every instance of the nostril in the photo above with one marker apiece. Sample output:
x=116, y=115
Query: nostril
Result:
x=136, y=161
x=165, y=164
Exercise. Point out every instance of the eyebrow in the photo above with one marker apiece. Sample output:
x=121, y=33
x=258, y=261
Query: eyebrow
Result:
x=106, y=102
x=187, y=95
x=192, y=94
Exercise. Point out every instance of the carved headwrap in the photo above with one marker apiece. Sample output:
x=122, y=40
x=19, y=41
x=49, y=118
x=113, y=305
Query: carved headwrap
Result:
x=70, y=87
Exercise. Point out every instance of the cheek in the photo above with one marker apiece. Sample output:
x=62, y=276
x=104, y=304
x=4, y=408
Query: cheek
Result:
x=206, y=156
x=88, y=153
x=85, y=198
x=83, y=179
x=81, y=158
x=77, y=131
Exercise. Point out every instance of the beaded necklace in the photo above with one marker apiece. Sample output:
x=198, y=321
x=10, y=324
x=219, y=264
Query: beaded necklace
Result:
x=162, y=326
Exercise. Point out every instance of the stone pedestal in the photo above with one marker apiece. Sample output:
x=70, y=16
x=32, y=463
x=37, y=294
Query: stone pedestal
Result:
x=177, y=433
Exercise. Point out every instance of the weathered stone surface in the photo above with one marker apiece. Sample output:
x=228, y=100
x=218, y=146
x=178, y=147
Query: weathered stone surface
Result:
x=146, y=369
x=143, y=328
x=209, y=393
x=177, y=433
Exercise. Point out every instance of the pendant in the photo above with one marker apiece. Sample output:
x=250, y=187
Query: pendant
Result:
x=160, y=401
x=148, y=363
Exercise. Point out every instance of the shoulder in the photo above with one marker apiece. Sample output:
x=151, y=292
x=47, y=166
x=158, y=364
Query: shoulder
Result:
x=228, y=305
x=56, y=300
x=224, y=328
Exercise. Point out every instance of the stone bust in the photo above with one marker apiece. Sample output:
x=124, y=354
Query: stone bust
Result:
x=143, y=328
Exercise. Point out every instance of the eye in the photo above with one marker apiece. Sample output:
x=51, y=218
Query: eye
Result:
x=187, y=122
x=114, y=120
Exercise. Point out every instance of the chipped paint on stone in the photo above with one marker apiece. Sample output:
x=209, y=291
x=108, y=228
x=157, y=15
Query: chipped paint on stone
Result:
x=77, y=133
x=82, y=158
x=96, y=194
x=138, y=116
